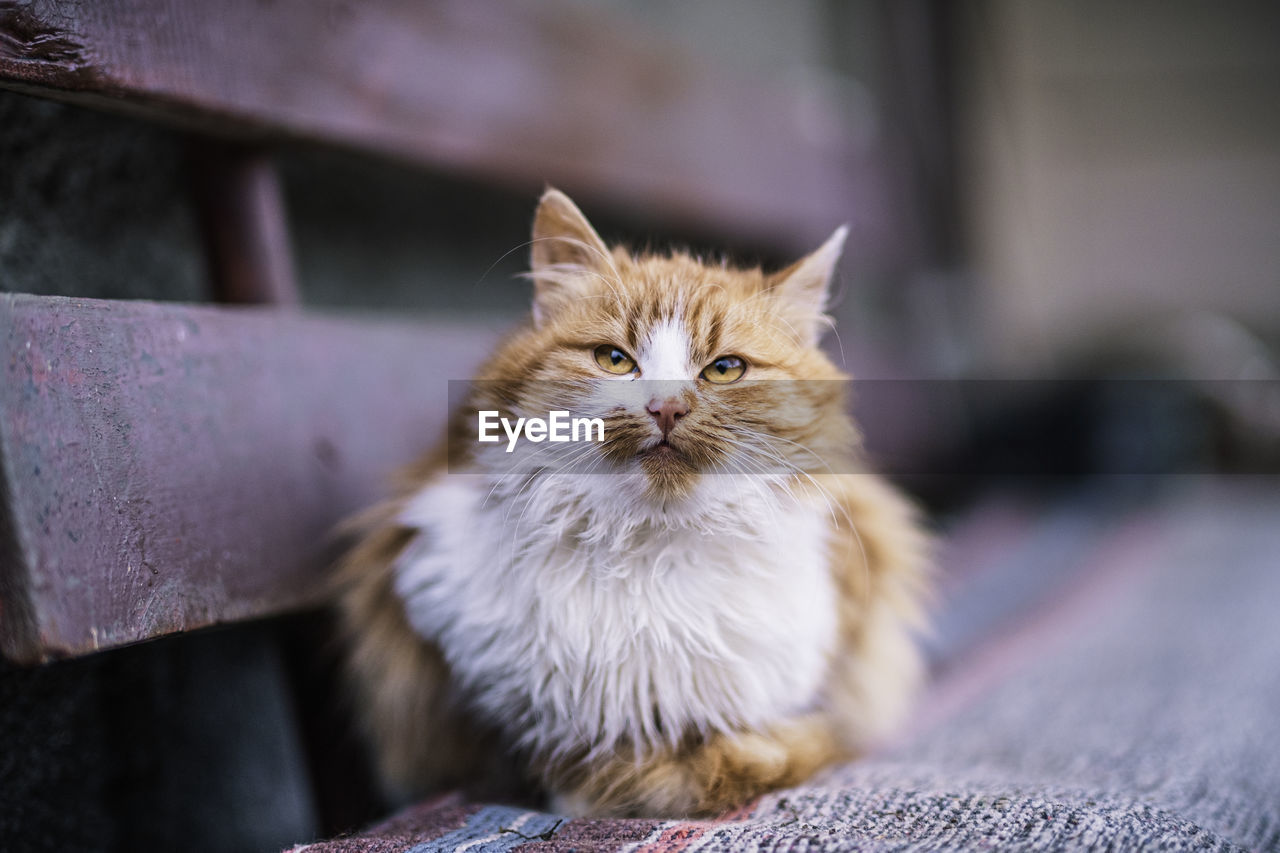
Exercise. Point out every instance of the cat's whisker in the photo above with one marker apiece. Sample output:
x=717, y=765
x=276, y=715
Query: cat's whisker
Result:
x=577, y=243
x=563, y=274
x=543, y=478
x=832, y=504
x=829, y=323
x=581, y=245
x=769, y=437
x=780, y=484
x=832, y=507
x=524, y=245
x=523, y=463
x=748, y=302
x=757, y=479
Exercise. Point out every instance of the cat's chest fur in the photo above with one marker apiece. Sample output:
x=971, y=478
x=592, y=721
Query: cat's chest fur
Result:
x=574, y=632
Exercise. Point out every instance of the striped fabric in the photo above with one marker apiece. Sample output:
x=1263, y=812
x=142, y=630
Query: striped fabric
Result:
x=1109, y=678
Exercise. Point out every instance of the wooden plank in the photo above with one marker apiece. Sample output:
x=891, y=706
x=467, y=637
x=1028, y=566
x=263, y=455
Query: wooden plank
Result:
x=246, y=232
x=168, y=467
x=522, y=92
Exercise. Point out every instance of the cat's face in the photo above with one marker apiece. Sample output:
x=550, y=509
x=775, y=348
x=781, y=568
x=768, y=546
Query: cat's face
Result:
x=695, y=369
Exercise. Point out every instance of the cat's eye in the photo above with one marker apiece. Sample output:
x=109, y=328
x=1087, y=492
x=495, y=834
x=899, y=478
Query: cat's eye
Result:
x=725, y=369
x=614, y=360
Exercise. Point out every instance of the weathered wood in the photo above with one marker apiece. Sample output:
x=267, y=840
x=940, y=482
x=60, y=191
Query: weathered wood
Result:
x=168, y=467
x=246, y=233
x=524, y=92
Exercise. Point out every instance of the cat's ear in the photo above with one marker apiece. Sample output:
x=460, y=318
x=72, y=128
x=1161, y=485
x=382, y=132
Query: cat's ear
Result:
x=566, y=254
x=803, y=288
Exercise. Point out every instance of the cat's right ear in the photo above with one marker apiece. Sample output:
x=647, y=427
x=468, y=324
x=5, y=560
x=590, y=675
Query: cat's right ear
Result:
x=803, y=288
x=566, y=255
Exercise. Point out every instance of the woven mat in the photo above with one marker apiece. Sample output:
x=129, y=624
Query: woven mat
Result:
x=1109, y=680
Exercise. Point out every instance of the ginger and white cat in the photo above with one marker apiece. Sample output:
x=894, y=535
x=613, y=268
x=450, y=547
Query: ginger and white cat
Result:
x=713, y=602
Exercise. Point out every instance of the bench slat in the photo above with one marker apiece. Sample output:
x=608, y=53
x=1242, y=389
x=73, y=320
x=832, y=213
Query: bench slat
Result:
x=168, y=467
x=523, y=93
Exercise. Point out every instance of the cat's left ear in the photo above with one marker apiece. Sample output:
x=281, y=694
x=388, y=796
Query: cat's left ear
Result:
x=566, y=254
x=804, y=287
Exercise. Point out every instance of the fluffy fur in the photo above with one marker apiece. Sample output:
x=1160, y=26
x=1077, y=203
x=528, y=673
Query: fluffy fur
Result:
x=664, y=623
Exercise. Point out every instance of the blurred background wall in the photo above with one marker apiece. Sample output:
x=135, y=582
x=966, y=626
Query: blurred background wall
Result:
x=1121, y=169
x=1053, y=177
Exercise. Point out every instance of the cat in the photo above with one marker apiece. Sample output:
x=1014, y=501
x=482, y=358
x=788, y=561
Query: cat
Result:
x=712, y=603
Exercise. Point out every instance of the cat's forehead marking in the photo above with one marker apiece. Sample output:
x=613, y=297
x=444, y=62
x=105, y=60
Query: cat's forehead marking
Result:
x=665, y=354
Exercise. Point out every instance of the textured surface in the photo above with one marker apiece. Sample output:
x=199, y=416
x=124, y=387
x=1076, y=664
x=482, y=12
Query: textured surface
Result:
x=93, y=205
x=170, y=467
x=188, y=744
x=368, y=234
x=1131, y=708
x=523, y=92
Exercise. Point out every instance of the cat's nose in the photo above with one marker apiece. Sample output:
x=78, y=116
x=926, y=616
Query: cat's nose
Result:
x=666, y=412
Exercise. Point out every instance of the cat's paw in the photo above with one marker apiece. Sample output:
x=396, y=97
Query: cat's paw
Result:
x=719, y=774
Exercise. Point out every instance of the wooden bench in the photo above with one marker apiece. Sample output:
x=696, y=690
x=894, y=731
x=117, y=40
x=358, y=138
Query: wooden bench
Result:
x=167, y=467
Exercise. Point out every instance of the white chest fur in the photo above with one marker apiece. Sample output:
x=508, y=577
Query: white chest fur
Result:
x=576, y=624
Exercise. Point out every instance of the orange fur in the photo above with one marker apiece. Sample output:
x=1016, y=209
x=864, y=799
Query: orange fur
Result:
x=421, y=736
x=586, y=295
